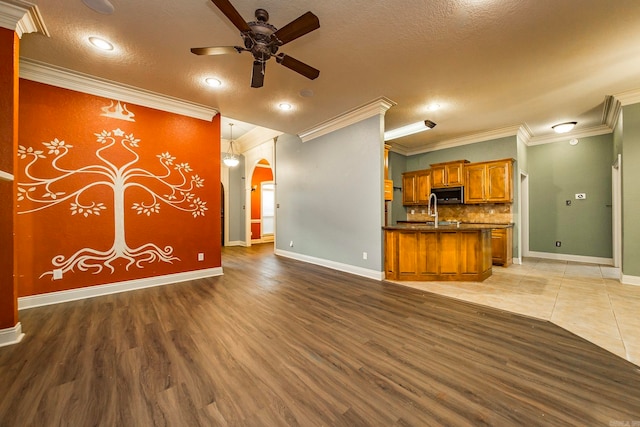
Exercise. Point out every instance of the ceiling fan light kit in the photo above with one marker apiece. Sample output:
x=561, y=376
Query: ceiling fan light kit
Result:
x=263, y=40
x=409, y=130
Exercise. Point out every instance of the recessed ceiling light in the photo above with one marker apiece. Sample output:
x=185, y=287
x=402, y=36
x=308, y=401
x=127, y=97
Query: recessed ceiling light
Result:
x=433, y=107
x=284, y=106
x=100, y=43
x=573, y=141
x=213, y=82
x=564, y=127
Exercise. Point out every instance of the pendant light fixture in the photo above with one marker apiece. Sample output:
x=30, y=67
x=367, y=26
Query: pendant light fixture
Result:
x=230, y=159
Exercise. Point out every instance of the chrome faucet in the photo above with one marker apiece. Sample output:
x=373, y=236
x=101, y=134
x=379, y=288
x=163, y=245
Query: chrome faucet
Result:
x=434, y=212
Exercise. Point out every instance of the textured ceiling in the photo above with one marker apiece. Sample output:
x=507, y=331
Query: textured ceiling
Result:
x=490, y=64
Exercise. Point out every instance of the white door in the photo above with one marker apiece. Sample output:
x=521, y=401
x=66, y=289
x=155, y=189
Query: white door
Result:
x=268, y=208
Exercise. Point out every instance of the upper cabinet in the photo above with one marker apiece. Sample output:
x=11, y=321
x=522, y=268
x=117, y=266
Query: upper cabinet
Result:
x=489, y=182
x=416, y=187
x=388, y=183
x=449, y=174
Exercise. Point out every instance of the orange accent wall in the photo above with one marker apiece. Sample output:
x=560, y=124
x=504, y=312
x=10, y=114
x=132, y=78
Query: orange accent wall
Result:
x=260, y=174
x=150, y=225
x=9, y=50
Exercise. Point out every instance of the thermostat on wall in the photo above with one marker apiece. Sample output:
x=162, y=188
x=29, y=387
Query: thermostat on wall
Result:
x=581, y=196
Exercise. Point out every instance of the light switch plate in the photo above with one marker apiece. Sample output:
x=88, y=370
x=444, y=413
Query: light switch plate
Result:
x=57, y=274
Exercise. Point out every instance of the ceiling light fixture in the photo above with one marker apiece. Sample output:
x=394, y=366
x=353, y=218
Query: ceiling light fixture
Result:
x=433, y=107
x=564, y=127
x=285, y=106
x=573, y=141
x=100, y=43
x=213, y=82
x=101, y=6
x=409, y=130
x=230, y=159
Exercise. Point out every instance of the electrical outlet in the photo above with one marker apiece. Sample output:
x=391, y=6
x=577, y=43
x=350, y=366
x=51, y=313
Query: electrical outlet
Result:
x=291, y=244
x=558, y=243
x=364, y=255
x=200, y=256
x=57, y=274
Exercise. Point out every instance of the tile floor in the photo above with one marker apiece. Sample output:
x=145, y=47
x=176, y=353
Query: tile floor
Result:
x=586, y=299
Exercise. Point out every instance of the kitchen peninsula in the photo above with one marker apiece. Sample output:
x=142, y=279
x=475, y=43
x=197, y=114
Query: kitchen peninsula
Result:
x=450, y=251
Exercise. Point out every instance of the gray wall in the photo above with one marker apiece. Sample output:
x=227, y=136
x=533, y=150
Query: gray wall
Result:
x=558, y=171
x=330, y=195
x=630, y=190
x=236, y=212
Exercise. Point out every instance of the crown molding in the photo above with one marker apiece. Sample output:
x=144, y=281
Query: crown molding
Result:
x=255, y=137
x=376, y=107
x=22, y=17
x=68, y=79
x=583, y=133
x=465, y=140
x=611, y=112
x=628, y=97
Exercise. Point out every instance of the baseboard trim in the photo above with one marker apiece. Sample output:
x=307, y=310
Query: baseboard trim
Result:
x=630, y=280
x=359, y=271
x=113, y=288
x=574, y=258
x=10, y=336
x=236, y=243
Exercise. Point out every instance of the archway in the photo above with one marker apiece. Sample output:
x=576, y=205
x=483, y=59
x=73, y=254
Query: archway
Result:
x=262, y=203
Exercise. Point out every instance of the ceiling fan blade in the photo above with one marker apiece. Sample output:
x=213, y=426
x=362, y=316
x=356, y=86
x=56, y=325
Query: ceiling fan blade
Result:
x=232, y=14
x=298, y=66
x=298, y=27
x=257, y=77
x=216, y=50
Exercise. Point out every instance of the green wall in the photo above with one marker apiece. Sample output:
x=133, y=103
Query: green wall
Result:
x=397, y=165
x=503, y=148
x=558, y=171
x=630, y=193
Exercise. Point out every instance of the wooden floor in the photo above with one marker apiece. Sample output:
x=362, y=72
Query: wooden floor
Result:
x=279, y=342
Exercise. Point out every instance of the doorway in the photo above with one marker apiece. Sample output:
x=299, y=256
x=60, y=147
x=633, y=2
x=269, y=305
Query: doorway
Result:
x=616, y=198
x=524, y=216
x=262, y=203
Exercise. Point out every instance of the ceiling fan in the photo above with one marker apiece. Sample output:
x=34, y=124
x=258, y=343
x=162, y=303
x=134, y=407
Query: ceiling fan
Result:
x=263, y=41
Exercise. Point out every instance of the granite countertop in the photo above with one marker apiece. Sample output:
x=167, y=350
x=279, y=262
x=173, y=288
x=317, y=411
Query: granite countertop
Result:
x=444, y=225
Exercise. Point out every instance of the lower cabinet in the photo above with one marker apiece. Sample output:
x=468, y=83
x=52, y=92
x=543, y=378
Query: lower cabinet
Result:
x=502, y=246
x=438, y=254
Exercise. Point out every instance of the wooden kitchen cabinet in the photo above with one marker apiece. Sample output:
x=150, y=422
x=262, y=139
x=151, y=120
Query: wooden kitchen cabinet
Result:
x=502, y=246
x=449, y=174
x=416, y=187
x=489, y=182
x=437, y=254
x=388, y=190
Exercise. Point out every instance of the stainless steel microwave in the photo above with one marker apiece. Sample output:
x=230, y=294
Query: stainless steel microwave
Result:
x=449, y=195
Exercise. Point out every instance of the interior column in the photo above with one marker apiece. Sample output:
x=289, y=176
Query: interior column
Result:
x=9, y=48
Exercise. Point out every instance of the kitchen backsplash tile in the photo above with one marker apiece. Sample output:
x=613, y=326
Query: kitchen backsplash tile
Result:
x=489, y=213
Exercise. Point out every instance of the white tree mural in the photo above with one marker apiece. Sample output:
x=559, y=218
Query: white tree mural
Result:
x=171, y=185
